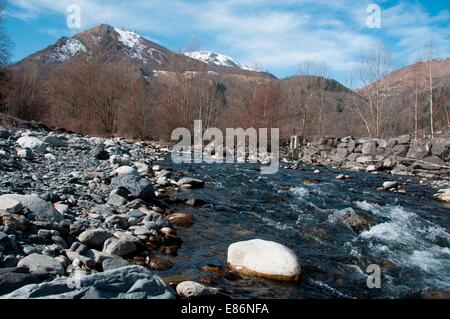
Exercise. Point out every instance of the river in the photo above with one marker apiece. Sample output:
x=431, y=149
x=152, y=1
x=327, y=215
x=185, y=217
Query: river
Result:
x=408, y=236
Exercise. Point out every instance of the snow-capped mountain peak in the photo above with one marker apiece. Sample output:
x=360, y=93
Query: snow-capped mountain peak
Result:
x=217, y=59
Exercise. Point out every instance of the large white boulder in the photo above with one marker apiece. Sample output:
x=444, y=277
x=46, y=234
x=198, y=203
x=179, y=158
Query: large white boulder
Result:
x=32, y=143
x=264, y=259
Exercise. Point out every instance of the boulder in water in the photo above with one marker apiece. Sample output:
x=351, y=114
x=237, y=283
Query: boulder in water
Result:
x=265, y=259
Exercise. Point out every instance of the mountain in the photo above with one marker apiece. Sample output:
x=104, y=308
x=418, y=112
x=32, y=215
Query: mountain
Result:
x=117, y=45
x=217, y=59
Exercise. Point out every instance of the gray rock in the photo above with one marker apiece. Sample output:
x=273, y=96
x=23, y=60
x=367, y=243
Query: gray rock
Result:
x=15, y=279
x=114, y=263
x=119, y=247
x=41, y=264
x=419, y=149
x=41, y=210
x=400, y=150
x=369, y=148
x=441, y=149
x=429, y=163
x=390, y=185
x=55, y=141
x=138, y=188
x=133, y=282
x=94, y=238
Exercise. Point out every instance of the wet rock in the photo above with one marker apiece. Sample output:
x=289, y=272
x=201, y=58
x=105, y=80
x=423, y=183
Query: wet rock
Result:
x=390, y=185
x=264, y=259
x=444, y=195
x=94, y=238
x=41, y=210
x=192, y=182
x=42, y=265
x=350, y=219
x=133, y=282
x=181, y=219
x=159, y=264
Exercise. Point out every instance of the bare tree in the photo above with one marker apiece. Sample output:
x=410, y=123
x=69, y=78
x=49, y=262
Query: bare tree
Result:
x=429, y=52
x=302, y=95
x=374, y=107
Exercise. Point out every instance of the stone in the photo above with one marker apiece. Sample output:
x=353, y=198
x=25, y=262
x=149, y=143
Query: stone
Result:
x=444, y=195
x=194, y=183
x=430, y=163
x=116, y=220
x=32, y=143
x=114, y=263
x=365, y=159
x=191, y=289
x=404, y=139
x=138, y=188
x=55, y=141
x=4, y=133
x=390, y=185
x=41, y=264
x=100, y=154
x=25, y=153
x=119, y=247
x=133, y=282
x=441, y=149
x=419, y=149
x=181, y=219
x=369, y=148
x=349, y=218
x=371, y=168
x=400, y=150
x=264, y=259
x=9, y=205
x=15, y=279
x=94, y=238
x=126, y=170
x=41, y=210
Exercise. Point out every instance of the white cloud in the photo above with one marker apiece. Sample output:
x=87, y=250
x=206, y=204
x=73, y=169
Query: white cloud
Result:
x=275, y=34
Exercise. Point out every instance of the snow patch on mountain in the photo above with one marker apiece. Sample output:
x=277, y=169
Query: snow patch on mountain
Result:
x=67, y=50
x=217, y=59
x=136, y=48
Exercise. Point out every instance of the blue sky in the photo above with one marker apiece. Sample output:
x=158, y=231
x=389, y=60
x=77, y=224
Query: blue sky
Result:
x=275, y=35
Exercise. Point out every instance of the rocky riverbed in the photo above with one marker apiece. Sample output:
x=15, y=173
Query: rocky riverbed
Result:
x=81, y=214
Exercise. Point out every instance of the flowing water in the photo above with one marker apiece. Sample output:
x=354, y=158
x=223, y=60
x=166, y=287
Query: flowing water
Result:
x=409, y=234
